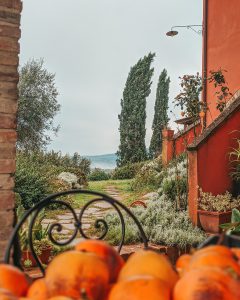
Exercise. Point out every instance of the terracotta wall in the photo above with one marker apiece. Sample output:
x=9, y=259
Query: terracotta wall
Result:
x=223, y=44
x=9, y=49
x=181, y=141
x=213, y=157
x=174, y=145
x=209, y=166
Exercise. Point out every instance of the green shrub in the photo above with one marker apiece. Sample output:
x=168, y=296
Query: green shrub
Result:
x=36, y=174
x=98, y=174
x=162, y=223
x=128, y=171
x=30, y=183
x=174, y=183
x=149, y=175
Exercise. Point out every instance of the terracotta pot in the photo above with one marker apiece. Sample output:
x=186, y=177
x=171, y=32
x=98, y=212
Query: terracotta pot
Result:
x=44, y=257
x=211, y=220
x=27, y=255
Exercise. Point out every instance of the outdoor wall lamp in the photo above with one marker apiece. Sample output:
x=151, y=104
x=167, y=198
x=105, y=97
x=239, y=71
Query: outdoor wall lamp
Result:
x=173, y=32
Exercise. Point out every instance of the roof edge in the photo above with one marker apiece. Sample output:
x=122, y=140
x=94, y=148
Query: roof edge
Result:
x=188, y=128
x=229, y=110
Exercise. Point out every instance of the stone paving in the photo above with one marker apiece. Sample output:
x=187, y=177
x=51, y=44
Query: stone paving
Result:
x=96, y=211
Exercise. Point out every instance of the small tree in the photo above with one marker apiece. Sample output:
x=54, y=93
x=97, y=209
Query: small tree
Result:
x=160, y=115
x=188, y=99
x=37, y=106
x=132, y=119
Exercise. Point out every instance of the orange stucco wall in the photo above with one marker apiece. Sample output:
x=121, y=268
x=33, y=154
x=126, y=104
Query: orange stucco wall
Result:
x=223, y=47
x=181, y=142
x=173, y=146
x=213, y=157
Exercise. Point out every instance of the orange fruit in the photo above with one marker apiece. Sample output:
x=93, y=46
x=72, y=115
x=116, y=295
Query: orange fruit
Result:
x=38, y=290
x=75, y=273
x=207, y=284
x=106, y=252
x=14, y=280
x=141, y=289
x=149, y=263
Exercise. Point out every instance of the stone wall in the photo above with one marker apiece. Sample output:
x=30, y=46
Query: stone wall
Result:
x=10, y=11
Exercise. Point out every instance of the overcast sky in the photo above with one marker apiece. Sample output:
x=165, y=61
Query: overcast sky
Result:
x=91, y=44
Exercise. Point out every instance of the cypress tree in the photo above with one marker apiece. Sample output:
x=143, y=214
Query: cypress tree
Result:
x=160, y=114
x=132, y=118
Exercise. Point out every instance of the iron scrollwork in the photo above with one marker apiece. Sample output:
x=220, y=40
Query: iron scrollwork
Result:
x=56, y=199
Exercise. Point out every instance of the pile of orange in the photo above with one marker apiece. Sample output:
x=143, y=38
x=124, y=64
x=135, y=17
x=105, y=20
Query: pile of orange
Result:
x=95, y=271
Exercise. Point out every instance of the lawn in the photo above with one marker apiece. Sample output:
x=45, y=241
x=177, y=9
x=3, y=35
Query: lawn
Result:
x=123, y=187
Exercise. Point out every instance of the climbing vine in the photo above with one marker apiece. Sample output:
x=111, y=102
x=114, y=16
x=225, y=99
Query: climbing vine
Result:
x=223, y=93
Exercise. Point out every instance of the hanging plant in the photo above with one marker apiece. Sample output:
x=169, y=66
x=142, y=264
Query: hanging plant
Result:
x=223, y=93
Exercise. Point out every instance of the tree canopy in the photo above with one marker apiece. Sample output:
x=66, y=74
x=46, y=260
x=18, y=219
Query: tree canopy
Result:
x=37, y=106
x=160, y=114
x=132, y=118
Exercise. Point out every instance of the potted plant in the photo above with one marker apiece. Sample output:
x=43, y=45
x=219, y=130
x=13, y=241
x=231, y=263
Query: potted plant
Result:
x=41, y=244
x=234, y=226
x=215, y=210
x=26, y=255
x=42, y=247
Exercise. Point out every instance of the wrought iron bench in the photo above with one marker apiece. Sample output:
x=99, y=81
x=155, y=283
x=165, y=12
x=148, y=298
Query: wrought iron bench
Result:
x=56, y=199
x=78, y=225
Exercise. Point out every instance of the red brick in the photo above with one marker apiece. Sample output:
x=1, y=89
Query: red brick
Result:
x=8, y=58
x=7, y=166
x=15, y=4
x=9, y=44
x=9, y=77
x=6, y=86
x=8, y=121
x=9, y=49
x=7, y=150
x=8, y=136
x=6, y=182
x=7, y=200
x=10, y=31
x=8, y=106
x=8, y=70
x=9, y=15
x=3, y=246
x=6, y=224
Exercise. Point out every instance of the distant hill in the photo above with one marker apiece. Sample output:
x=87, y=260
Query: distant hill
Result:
x=105, y=161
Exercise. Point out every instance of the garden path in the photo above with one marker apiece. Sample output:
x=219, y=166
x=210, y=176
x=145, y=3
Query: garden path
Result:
x=95, y=211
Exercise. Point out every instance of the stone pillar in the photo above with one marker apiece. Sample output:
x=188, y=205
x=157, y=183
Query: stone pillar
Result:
x=167, y=146
x=10, y=11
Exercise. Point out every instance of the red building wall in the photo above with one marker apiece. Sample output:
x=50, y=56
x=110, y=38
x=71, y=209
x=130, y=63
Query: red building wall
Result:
x=213, y=157
x=182, y=141
x=223, y=44
x=174, y=145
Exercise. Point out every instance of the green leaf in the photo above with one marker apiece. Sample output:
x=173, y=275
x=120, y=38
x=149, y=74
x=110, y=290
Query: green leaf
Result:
x=226, y=226
x=235, y=216
x=237, y=229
